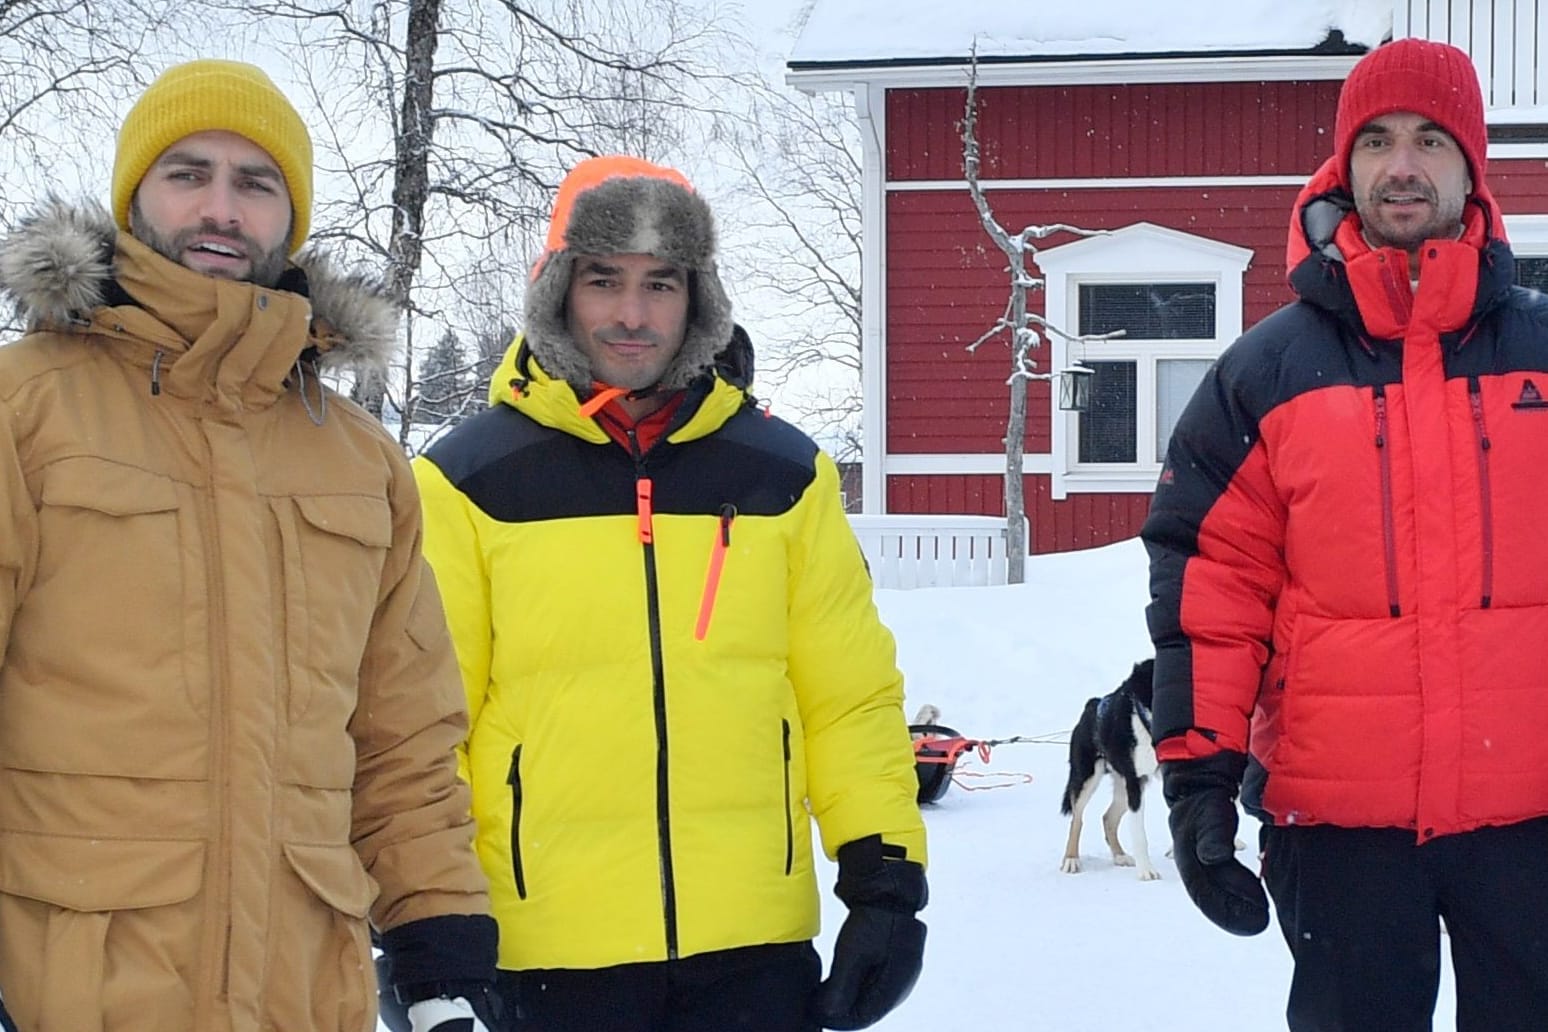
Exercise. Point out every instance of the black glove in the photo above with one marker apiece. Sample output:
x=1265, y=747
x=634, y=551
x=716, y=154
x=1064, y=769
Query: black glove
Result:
x=880, y=947
x=437, y=975
x=1202, y=797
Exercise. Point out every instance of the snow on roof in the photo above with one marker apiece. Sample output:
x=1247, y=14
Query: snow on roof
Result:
x=903, y=30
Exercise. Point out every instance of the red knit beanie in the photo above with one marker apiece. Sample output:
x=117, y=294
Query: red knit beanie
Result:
x=1432, y=79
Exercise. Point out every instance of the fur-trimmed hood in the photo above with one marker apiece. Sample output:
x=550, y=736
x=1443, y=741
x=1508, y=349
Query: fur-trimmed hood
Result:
x=57, y=269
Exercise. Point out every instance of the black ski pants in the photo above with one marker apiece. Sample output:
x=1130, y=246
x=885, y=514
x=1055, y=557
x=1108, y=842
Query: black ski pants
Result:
x=753, y=989
x=1361, y=910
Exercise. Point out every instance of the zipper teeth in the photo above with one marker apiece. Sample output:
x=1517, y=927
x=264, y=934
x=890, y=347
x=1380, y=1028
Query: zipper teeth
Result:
x=518, y=874
x=1388, y=523
x=789, y=827
x=1485, y=503
x=658, y=703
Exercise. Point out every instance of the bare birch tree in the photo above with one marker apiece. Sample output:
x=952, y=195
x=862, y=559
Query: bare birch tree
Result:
x=1024, y=329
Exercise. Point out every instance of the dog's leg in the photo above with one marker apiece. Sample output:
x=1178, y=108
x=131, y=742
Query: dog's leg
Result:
x=1147, y=872
x=1110, y=819
x=1071, y=862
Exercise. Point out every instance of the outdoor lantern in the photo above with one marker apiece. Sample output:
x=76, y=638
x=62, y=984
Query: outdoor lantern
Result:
x=1075, y=388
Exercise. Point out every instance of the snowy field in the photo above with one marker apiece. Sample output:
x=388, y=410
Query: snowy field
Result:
x=1015, y=945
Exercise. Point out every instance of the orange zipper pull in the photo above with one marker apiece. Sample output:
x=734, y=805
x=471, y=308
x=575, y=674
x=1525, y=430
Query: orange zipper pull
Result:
x=643, y=489
x=712, y=576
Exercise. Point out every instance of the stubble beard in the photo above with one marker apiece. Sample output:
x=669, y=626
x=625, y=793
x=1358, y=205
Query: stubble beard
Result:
x=1444, y=223
x=264, y=267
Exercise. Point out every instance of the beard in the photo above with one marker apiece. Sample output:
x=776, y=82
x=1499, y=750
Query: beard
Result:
x=1442, y=222
x=264, y=267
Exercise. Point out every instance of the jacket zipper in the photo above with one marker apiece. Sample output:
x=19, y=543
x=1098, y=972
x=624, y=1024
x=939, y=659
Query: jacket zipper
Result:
x=1485, y=501
x=514, y=780
x=645, y=513
x=789, y=826
x=1388, y=522
x=712, y=576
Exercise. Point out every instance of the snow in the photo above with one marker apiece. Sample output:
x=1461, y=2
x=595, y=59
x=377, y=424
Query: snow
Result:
x=863, y=30
x=1015, y=944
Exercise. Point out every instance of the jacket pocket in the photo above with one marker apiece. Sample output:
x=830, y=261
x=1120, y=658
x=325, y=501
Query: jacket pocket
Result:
x=108, y=651
x=321, y=972
x=514, y=780
x=334, y=874
x=335, y=549
x=75, y=914
x=784, y=726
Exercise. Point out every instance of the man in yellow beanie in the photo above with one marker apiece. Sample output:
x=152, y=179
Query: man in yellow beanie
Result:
x=229, y=705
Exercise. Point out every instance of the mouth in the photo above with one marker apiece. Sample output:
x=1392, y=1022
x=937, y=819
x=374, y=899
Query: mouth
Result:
x=1399, y=199
x=216, y=249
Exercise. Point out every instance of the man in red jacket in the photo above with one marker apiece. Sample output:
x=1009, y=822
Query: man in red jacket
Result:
x=1349, y=583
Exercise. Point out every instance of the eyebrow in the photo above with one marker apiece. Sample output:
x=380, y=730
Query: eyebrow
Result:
x=1374, y=126
x=594, y=267
x=187, y=159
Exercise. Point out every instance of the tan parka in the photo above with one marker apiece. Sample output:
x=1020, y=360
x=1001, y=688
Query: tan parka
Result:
x=228, y=702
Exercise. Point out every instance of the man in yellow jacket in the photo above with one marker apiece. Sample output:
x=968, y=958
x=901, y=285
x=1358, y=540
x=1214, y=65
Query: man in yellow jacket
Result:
x=671, y=655
x=229, y=708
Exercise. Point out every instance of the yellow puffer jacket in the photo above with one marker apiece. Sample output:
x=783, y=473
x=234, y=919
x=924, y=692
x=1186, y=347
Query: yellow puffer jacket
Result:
x=228, y=703
x=660, y=693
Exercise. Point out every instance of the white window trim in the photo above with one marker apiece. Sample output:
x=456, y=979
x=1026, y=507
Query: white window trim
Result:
x=1528, y=235
x=1140, y=253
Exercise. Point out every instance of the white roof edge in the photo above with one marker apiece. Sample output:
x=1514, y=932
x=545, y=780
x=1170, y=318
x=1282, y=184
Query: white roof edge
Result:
x=1280, y=67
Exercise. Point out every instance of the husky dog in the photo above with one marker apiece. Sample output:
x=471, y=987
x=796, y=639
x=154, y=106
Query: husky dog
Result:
x=1113, y=737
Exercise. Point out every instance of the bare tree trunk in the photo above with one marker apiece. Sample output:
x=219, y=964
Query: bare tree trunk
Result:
x=1016, y=428
x=411, y=181
x=1014, y=320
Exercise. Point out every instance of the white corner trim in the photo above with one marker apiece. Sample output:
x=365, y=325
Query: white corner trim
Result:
x=870, y=112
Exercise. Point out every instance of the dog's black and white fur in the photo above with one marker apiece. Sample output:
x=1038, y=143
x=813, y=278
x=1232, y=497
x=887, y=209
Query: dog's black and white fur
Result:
x=1113, y=737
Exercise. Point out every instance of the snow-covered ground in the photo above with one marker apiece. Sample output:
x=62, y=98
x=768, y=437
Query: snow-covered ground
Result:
x=1015, y=945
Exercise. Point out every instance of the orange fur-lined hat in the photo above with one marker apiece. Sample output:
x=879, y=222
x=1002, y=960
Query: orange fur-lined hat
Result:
x=624, y=205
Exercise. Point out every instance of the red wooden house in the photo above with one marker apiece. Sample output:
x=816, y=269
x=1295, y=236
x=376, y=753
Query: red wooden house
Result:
x=1185, y=128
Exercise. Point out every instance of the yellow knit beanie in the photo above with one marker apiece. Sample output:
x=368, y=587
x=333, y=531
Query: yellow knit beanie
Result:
x=203, y=95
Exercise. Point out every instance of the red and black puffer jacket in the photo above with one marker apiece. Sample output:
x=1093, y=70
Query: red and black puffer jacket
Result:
x=1349, y=541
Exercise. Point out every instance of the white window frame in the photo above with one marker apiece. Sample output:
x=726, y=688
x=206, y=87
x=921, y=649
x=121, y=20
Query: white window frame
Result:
x=1139, y=253
x=1528, y=235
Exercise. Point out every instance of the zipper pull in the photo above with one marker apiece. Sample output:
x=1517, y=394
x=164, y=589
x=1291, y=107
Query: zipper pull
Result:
x=643, y=489
x=712, y=575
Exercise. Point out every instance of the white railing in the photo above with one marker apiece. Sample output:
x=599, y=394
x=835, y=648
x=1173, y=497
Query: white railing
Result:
x=1508, y=41
x=932, y=551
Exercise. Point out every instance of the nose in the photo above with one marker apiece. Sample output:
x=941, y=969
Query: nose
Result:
x=631, y=308
x=218, y=204
x=1404, y=160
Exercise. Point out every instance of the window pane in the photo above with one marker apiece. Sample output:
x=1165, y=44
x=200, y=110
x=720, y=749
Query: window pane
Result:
x=1107, y=430
x=1532, y=272
x=1149, y=311
x=1176, y=380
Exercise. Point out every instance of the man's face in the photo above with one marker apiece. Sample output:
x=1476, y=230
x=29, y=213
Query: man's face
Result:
x=1410, y=181
x=628, y=314
x=217, y=203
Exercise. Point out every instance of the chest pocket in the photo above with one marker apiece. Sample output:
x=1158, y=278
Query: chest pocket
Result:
x=335, y=548
x=106, y=651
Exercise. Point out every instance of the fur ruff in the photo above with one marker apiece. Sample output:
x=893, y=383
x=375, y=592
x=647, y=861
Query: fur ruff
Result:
x=56, y=264
x=633, y=215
